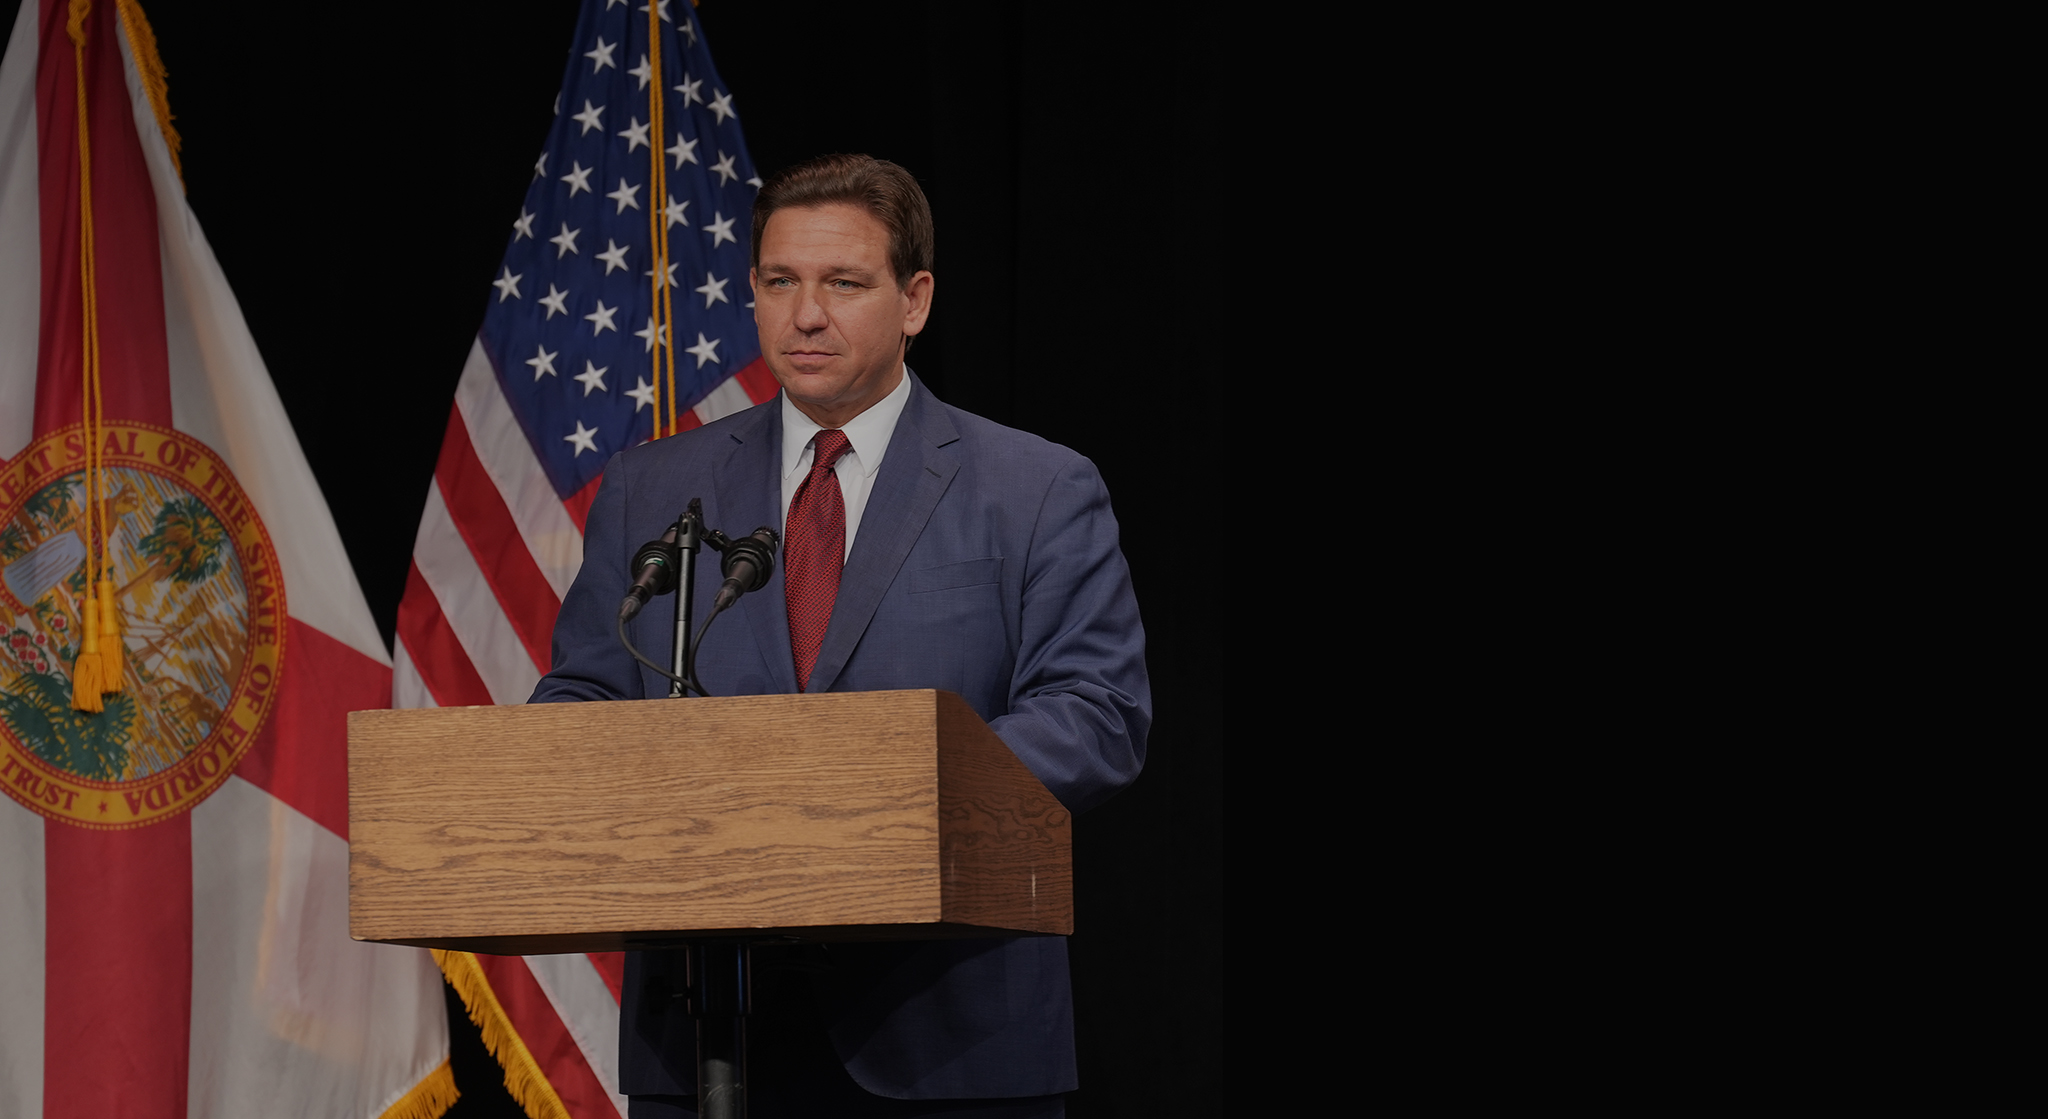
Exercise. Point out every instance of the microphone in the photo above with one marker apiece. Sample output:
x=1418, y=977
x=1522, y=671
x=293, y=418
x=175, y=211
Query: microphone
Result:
x=655, y=573
x=747, y=564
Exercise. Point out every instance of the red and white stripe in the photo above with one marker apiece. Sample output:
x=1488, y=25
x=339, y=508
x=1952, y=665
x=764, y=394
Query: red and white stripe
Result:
x=202, y=965
x=496, y=551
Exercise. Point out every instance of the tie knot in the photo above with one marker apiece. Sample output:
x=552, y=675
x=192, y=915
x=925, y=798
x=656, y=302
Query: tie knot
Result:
x=827, y=448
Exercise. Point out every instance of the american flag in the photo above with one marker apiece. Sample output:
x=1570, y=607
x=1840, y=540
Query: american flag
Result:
x=573, y=364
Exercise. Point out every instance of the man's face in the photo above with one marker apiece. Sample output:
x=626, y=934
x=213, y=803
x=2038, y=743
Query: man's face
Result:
x=831, y=317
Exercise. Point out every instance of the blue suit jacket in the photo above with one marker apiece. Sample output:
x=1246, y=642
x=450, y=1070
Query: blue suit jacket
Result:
x=986, y=564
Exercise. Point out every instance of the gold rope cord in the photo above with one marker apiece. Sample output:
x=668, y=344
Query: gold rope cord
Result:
x=668, y=306
x=87, y=679
x=664, y=299
x=655, y=216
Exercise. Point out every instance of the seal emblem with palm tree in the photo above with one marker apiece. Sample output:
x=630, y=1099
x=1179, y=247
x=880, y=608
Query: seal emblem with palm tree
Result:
x=200, y=600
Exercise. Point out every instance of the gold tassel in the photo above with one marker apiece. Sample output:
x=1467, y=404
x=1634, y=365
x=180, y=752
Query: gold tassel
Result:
x=113, y=651
x=85, y=674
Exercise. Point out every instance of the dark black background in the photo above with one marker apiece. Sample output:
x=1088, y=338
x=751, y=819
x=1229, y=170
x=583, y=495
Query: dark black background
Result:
x=1104, y=275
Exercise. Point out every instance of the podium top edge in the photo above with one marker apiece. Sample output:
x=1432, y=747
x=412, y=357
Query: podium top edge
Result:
x=931, y=694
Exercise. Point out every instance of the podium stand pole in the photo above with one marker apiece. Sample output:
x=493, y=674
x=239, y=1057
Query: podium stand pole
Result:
x=720, y=998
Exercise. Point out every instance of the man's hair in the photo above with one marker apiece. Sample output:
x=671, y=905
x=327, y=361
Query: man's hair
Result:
x=884, y=190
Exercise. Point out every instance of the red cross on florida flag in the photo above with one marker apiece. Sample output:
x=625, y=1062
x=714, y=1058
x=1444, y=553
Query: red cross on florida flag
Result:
x=173, y=838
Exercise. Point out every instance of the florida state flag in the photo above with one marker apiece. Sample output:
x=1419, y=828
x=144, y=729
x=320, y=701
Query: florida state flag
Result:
x=180, y=638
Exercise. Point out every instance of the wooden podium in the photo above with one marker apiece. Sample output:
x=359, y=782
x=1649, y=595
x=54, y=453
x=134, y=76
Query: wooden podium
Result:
x=590, y=827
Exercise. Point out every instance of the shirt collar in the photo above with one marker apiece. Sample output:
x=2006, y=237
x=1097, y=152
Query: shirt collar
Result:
x=868, y=434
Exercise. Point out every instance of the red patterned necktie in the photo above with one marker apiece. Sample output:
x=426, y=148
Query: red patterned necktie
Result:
x=813, y=552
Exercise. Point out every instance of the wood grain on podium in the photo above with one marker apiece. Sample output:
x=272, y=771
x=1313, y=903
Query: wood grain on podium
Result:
x=597, y=826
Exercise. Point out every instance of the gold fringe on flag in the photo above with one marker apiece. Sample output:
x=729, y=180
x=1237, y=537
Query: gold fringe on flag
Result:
x=429, y=1099
x=523, y=1076
x=142, y=45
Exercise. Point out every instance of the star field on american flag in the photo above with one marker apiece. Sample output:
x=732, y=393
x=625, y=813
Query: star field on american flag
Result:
x=569, y=325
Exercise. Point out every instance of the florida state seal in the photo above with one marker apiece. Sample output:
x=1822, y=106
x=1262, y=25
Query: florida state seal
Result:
x=201, y=602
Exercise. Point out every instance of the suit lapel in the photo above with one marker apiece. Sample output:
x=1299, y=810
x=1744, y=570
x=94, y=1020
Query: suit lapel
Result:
x=749, y=489
x=914, y=476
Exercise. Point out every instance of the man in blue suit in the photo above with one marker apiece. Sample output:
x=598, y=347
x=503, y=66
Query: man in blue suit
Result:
x=923, y=548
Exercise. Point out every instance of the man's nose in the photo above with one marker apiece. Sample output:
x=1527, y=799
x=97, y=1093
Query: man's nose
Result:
x=810, y=313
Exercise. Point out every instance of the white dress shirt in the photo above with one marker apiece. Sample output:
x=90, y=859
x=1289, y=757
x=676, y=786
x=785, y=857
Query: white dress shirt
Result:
x=867, y=437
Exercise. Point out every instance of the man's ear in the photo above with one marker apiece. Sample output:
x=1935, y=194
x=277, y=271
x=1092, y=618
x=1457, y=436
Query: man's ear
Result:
x=919, y=292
